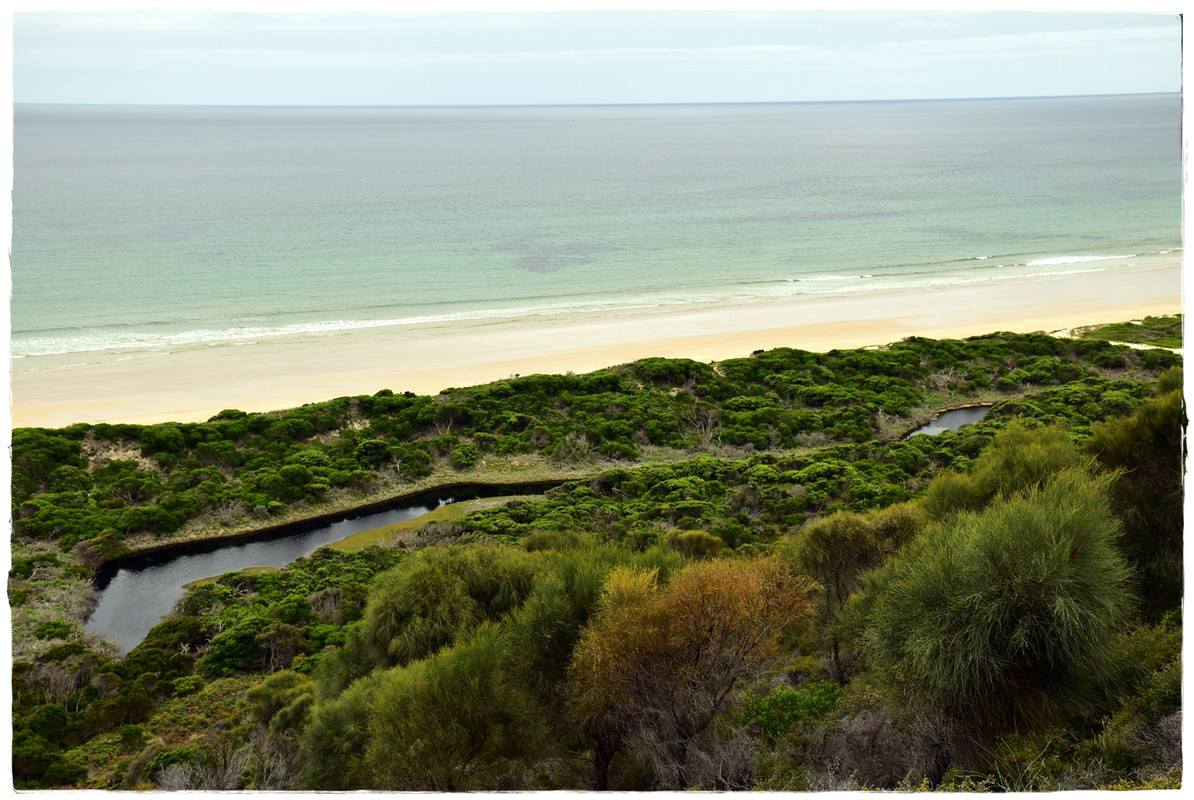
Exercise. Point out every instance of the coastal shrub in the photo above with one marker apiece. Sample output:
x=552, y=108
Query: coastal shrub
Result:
x=1148, y=451
x=493, y=723
x=291, y=609
x=234, y=650
x=276, y=692
x=53, y=629
x=336, y=736
x=372, y=452
x=281, y=644
x=440, y=594
x=1163, y=331
x=22, y=567
x=166, y=758
x=1003, y=617
x=835, y=552
x=541, y=634
x=36, y=759
x=464, y=456
x=1017, y=459
x=694, y=544
x=158, y=440
x=655, y=668
x=779, y=711
x=187, y=685
x=36, y=454
x=69, y=478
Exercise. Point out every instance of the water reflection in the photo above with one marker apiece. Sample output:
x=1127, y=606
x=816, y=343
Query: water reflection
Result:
x=137, y=597
x=952, y=420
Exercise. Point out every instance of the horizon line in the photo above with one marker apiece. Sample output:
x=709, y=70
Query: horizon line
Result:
x=625, y=104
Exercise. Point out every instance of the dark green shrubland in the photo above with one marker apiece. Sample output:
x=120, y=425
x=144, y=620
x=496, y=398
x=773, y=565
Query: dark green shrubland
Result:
x=788, y=596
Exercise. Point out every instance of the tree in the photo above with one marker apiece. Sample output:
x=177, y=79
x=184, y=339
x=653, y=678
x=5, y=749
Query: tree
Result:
x=658, y=667
x=1003, y=617
x=281, y=643
x=441, y=593
x=233, y=650
x=1147, y=449
x=835, y=551
x=451, y=722
x=464, y=456
x=334, y=740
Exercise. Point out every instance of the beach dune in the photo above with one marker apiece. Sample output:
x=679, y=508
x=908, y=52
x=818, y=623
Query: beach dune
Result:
x=194, y=384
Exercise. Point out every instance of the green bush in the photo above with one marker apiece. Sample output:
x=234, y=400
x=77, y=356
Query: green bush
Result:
x=234, y=650
x=694, y=544
x=166, y=758
x=464, y=456
x=1148, y=450
x=783, y=708
x=1006, y=616
x=131, y=737
x=53, y=629
x=276, y=692
x=1017, y=459
x=493, y=723
x=187, y=685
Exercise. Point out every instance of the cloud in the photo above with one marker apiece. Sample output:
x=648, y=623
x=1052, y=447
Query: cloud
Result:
x=639, y=57
x=1100, y=43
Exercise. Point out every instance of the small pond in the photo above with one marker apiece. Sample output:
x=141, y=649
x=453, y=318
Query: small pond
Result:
x=952, y=420
x=136, y=592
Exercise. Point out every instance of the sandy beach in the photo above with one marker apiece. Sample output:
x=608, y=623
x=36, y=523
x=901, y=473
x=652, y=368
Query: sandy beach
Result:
x=283, y=372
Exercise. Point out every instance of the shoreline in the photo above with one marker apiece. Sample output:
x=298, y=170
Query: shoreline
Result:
x=194, y=384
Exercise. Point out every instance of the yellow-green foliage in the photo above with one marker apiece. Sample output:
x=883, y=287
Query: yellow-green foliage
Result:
x=336, y=736
x=1168, y=781
x=694, y=544
x=658, y=664
x=450, y=722
x=276, y=692
x=835, y=551
x=431, y=599
x=1015, y=460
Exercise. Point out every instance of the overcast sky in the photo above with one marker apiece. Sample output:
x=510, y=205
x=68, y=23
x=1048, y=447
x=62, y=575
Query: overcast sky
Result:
x=416, y=57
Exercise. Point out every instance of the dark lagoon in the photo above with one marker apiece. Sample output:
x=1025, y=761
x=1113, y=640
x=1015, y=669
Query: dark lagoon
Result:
x=136, y=592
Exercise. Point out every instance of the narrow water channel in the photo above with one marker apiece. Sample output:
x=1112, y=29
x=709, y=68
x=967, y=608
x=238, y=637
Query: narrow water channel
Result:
x=138, y=597
x=140, y=590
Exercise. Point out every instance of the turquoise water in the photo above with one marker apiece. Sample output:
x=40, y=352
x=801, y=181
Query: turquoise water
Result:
x=166, y=227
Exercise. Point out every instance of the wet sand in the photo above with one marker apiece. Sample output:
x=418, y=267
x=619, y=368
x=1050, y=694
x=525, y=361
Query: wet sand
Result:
x=283, y=372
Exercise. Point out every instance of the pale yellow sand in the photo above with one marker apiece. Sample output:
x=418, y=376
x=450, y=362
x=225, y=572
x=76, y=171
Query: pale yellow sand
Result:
x=284, y=372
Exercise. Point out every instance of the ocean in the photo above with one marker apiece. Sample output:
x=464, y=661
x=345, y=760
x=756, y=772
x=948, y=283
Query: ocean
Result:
x=162, y=228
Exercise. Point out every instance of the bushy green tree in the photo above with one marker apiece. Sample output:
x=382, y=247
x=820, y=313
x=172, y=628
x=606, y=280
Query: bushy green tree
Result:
x=1147, y=449
x=1004, y=616
x=276, y=692
x=779, y=711
x=429, y=600
x=464, y=456
x=452, y=722
x=281, y=643
x=835, y=551
x=336, y=735
x=694, y=544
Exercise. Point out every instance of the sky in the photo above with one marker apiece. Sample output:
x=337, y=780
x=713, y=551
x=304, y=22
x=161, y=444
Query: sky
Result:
x=216, y=53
